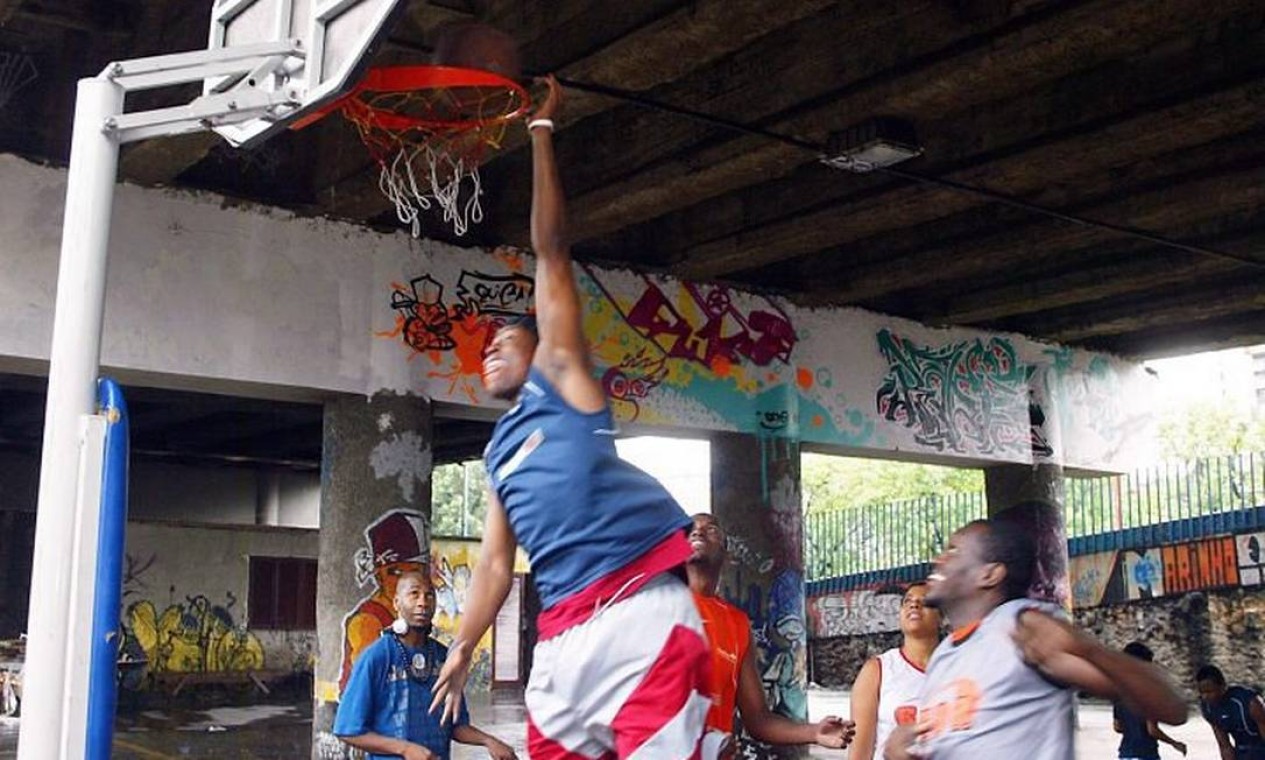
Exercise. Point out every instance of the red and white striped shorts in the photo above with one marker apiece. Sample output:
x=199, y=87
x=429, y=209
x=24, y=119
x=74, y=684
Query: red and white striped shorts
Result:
x=630, y=682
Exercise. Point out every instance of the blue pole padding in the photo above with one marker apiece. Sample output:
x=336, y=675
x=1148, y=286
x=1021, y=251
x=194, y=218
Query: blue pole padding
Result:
x=106, y=633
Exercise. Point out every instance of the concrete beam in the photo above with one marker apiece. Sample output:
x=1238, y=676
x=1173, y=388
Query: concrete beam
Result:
x=1239, y=293
x=1087, y=278
x=957, y=74
x=636, y=46
x=1247, y=329
x=1164, y=210
x=1113, y=117
x=160, y=162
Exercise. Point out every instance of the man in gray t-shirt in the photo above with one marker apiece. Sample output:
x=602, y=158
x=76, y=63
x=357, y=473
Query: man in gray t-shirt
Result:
x=1000, y=686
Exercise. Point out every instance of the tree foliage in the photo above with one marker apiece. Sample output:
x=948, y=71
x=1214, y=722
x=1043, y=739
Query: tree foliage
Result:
x=832, y=482
x=1210, y=428
x=459, y=499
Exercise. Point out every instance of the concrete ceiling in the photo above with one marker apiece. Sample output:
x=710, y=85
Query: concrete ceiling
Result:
x=206, y=429
x=1140, y=113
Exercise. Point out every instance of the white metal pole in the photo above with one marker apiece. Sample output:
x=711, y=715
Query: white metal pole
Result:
x=72, y=376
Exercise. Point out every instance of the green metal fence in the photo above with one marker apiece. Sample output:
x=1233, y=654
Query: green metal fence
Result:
x=1152, y=506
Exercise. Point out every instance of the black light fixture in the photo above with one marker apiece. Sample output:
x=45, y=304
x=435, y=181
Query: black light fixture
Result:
x=872, y=144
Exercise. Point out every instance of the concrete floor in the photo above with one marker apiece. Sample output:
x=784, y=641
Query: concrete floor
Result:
x=283, y=731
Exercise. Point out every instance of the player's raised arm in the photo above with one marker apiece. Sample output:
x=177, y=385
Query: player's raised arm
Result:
x=562, y=354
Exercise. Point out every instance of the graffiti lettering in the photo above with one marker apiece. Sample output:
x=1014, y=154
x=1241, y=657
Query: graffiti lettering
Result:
x=1206, y=564
x=725, y=333
x=969, y=397
x=494, y=295
x=427, y=322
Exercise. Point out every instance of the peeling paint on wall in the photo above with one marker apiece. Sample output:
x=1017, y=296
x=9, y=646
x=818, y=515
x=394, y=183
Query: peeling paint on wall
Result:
x=406, y=457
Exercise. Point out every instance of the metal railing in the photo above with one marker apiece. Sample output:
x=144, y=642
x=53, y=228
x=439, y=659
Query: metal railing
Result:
x=1150, y=507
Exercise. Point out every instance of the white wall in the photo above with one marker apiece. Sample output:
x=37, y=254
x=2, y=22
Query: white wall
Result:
x=230, y=296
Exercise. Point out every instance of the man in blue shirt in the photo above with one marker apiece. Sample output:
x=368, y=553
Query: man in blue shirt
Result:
x=1235, y=713
x=383, y=710
x=1140, y=738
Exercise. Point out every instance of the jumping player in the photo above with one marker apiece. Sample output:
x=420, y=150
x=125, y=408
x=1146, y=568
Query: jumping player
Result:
x=885, y=693
x=1001, y=684
x=622, y=664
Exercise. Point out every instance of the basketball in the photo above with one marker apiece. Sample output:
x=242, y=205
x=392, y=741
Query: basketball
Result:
x=477, y=46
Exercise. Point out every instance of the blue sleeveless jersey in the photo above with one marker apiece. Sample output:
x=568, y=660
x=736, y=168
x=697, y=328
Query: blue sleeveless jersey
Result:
x=577, y=509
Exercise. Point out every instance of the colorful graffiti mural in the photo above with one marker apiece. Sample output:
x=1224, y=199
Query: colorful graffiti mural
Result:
x=1204, y=564
x=1139, y=574
x=193, y=636
x=968, y=396
x=396, y=543
x=1091, y=575
x=452, y=565
x=711, y=357
x=855, y=613
x=1104, y=578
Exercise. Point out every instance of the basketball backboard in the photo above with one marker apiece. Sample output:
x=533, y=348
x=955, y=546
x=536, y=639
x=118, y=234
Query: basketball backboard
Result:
x=335, y=36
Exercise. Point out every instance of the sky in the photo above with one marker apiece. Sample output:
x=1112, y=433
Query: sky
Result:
x=1221, y=376
x=682, y=465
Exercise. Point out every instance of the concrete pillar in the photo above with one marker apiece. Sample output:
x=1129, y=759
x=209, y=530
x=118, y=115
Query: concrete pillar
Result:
x=1041, y=489
x=375, y=518
x=756, y=497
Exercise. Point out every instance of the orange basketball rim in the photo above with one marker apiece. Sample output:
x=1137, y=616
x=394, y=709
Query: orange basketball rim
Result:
x=429, y=128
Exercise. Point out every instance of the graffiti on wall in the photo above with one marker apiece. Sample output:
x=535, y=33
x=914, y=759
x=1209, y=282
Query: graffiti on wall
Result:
x=453, y=333
x=968, y=397
x=1104, y=578
x=193, y=636
x=1091, y=576
x=855, y=613
x=707, y=356
x=1200, y=565
x=706, y=326
x=1251, y=553
x=1143, y=574
x=452, y=566
x=784, y=670
x=395, y=543
x=1138, y=574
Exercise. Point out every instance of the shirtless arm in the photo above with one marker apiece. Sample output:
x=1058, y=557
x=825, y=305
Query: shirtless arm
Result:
x=769, y=727
x=865, y=694
x=1257, y=713
x=489, y=585
x=1223, y=743
x=1157, y=733
x=562, y=354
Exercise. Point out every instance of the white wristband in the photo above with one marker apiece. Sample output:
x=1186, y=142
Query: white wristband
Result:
x=547, y=123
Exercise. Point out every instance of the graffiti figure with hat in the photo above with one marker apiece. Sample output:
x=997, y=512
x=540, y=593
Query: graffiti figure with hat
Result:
x=397, y=542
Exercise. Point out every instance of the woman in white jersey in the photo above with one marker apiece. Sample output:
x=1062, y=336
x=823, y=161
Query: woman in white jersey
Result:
x=885, y=693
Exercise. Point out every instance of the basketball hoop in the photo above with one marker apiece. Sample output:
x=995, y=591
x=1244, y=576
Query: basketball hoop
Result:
x=429, y=128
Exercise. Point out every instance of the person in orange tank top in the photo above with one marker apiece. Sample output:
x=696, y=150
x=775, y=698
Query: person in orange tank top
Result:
x=735, y=680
